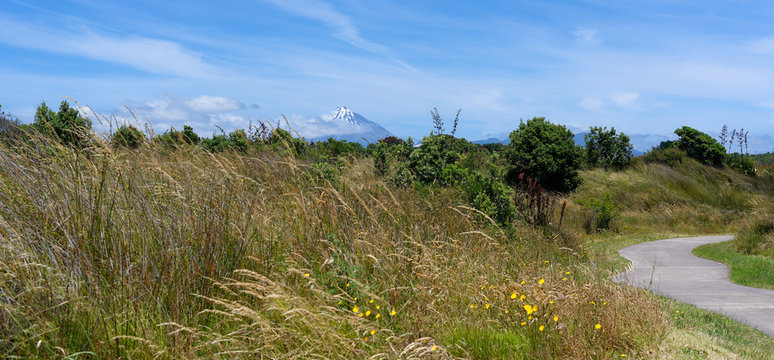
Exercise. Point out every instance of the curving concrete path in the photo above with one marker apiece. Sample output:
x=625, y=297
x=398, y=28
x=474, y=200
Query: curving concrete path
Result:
x=668, y=268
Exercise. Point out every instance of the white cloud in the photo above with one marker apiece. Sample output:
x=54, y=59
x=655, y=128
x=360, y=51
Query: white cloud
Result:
x=203, y=113
x=213, y=104
x=317, y=126
x=625, y=99
x=591, y=103
x=586, y=36
x=151, y=55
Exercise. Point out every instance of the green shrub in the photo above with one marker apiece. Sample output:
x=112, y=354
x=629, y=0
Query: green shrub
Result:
x=388, y=150
x=217, y=143
x=604, y=210
x=401, y=176
x=607, y=149
x=545, y=152
x=174, y=138
x=700, y=146
x=490, y=196
x=437, y=151
x=324, y=171
x=127, y=136
x=741, y=163
x=669, y=155
x=67, y=125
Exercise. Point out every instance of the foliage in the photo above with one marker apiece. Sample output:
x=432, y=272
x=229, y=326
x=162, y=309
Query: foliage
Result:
x=607, y=149
x=333, y=150
x=390, y=150
x=283, y=142
x=67, y=125
x=545, y=152
x=436, y=152
x=670, y=155
x=127, y=136
x=700, y=146
x=489, y=195
x=604, y=210
x=742, y=163
x=173, y=138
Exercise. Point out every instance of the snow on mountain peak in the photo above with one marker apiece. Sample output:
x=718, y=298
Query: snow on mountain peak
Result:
x=344, y=114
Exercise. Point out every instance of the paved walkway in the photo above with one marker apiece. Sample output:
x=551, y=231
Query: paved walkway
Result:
x=667, y=267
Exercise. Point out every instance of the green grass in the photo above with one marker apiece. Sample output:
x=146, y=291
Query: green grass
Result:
x=749, y=270
x=702, y=334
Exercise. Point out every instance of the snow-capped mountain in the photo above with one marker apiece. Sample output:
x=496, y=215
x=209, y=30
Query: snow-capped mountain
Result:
x=341, y=124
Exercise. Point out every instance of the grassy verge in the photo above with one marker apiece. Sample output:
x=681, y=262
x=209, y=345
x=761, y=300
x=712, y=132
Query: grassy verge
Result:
x=700, y=334
x=749, y=270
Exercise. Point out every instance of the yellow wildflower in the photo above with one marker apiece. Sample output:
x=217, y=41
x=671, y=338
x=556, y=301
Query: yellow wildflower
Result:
x=513, y=295
x=567, y=273
x=541, y=328
x=523, y=282
x=355, y=298
x=377, y=307
x=530, y=309
x=556, y=318
x=366, y=338
x=521, y=298
x=371, y=302
x=523, y=323
x=368, y=313
x=598, y=326
x=373, y=332
x=361, y=314
x=541, y=281
x=546, y=261
x=392, y=313
x=347, y=284
x=564, y=279
x=355, y=309
x=488, y=306
x=307, y=274
x=506, y=311
x=434, y=348
x=378, y=316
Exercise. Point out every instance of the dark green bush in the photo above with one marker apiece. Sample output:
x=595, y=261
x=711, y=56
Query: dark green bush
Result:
x=174, y=138
x=491, y=196
x=127, y=136
x=388, y=150
x=607, y=149
x=670, y=155
x=545, y=152
x=67, y=125
x=437, y=151
x=700, y=146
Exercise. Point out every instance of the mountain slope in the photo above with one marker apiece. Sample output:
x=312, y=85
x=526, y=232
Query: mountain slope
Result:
x=341, y=124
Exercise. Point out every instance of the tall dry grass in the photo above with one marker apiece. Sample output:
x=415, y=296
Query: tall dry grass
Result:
x=177, y=253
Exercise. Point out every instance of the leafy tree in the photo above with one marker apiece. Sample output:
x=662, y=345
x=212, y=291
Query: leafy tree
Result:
x=545, y=152
x=127, y=136
x=392, y=149
x=608, y=149
x=700, y=146
x=67, y=124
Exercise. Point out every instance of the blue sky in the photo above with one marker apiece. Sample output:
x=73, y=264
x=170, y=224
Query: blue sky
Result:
x=644, y=67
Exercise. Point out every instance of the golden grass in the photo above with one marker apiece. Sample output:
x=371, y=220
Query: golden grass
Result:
x=179, y=253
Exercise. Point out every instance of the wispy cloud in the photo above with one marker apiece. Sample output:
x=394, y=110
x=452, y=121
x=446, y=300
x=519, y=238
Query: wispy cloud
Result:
x=586, y=36
x=202, y=112
x=141, y=53
x=342, y=25
x=625, y=99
